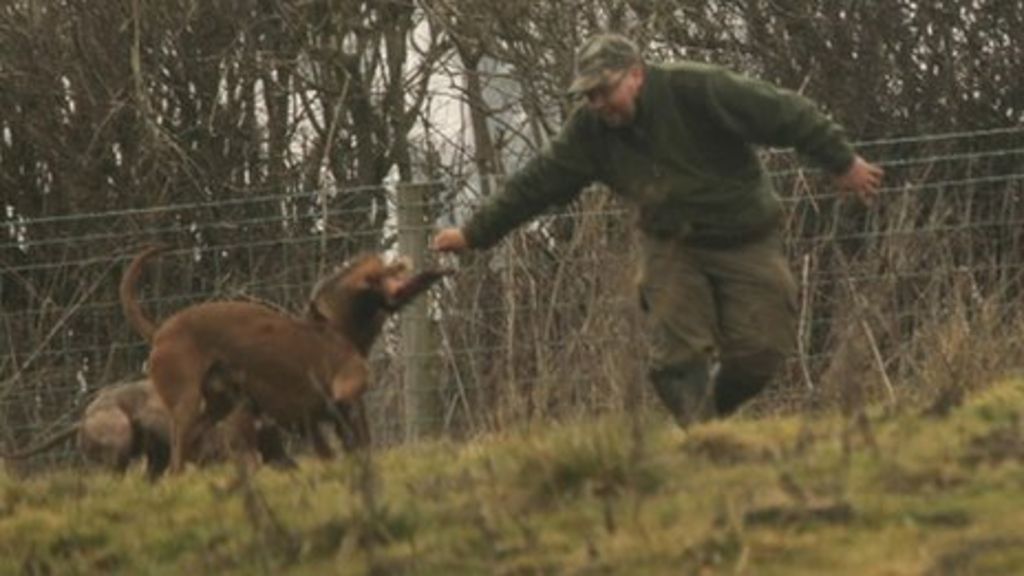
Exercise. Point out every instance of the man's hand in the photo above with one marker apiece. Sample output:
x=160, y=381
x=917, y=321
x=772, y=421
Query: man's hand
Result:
x=450, y=240
x=861, y=178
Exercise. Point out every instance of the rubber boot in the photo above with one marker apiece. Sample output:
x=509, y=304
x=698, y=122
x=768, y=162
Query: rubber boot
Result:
x=741, y=378
x=686, y=392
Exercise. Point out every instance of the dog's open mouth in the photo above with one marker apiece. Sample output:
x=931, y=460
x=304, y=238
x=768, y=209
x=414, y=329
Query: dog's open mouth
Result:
x=403, y=286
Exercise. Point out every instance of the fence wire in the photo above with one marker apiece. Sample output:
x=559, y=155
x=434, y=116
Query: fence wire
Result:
x=543, y=326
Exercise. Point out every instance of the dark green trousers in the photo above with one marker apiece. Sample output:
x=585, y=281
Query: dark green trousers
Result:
x=736, y=306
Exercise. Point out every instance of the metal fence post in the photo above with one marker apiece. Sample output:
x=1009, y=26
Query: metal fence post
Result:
x=423, y=413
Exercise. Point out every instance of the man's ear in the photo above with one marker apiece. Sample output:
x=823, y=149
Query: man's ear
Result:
x=637, y=75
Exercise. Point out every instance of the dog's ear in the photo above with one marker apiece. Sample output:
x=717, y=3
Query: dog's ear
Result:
x=313, y=312
x=320, y=299
x=365, y=272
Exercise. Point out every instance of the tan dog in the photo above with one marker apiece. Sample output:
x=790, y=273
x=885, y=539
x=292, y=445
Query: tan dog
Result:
x=123, y=423
x=297, y=371
x=127, y=422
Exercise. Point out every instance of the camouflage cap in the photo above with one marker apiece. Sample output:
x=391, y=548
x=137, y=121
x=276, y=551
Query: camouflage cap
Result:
x=600, y=58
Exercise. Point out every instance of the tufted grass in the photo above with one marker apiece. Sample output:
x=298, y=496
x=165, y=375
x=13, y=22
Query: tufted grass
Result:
x=913, y=494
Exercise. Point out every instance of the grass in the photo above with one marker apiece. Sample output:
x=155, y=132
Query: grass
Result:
x=920, y=495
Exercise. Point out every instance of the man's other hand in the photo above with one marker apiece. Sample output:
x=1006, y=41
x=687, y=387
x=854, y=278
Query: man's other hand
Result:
x=861, y=178
x=449, y=240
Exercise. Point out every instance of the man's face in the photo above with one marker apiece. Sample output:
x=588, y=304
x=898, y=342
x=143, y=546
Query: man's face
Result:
x=614, y=102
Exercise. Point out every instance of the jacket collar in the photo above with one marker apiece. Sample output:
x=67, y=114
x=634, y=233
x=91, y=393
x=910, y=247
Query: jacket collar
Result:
x=645, y=99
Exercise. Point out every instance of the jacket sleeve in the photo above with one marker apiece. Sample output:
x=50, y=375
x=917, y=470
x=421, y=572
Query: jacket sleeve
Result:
x=555, y=176
x=764, y=114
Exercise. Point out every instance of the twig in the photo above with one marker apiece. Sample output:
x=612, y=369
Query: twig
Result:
x=6, y=386
x=460, y=385
x=860, y=310
x=802, y=330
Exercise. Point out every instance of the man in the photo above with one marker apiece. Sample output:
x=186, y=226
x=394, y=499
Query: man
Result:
x=678, y=142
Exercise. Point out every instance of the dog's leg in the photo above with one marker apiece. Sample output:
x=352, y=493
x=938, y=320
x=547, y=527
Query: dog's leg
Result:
x=157, y=454
x=270, y=443
x=352, y=426
x=344, y=427
x=320, y=445
x=360, y=423
x=206, y=441
x=177, y=378
x=347, y=390
x=184, y=417
x=240, y=435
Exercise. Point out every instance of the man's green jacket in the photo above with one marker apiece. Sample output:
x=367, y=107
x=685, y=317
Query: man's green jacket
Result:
x=687, y=162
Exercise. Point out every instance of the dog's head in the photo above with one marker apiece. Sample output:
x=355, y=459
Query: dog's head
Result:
x=357, y=298
x=366, y=281
x=107, y=437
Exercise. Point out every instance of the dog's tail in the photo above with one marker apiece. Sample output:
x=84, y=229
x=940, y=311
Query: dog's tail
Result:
x=42, y=447
x=129, y=299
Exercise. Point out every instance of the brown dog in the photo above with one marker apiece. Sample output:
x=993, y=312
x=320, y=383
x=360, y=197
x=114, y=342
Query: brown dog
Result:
x=127, y=422
x=238, y=431
x=297, y=371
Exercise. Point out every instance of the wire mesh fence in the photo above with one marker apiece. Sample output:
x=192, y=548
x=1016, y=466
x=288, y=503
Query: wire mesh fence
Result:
x=545, y=325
